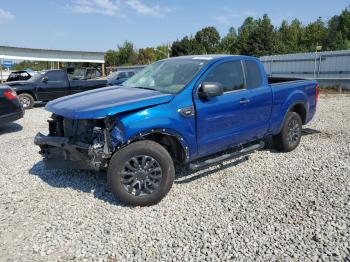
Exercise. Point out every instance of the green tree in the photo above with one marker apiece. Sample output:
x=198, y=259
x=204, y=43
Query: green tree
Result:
x=34, y=65
x=111, y=58
x=338, y=32
x=315, y=34
x=344, y=23
x=146, y=56
x=228, y=44
x=264, y=39
x=187, y=46
x=289, y=37
x=127, y=54
x=162, y=52
x=244, y=35
x=257, y=37
x=209, y=38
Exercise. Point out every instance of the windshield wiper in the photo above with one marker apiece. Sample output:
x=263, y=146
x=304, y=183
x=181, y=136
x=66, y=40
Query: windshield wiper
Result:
x=143, y=87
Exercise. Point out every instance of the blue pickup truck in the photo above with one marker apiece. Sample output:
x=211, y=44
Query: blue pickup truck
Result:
x=191, y=110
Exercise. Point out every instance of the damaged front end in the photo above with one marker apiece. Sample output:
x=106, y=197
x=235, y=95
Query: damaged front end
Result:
x=79, y=144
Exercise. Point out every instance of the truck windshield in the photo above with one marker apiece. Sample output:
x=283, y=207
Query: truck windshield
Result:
x=167, y=76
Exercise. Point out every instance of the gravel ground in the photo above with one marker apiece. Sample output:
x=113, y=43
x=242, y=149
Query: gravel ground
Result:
x=274, y=206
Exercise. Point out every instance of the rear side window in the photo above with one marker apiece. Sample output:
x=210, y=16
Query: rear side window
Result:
x=89, y=74
x=253, y=74
x=55, y=76
x=228, y=74
x=122, y=75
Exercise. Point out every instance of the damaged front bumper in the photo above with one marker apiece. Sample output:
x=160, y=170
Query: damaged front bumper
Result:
x=77, y=144
x=59, y=153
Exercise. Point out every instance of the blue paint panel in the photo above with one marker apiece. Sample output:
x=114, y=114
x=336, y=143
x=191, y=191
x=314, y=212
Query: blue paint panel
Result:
x=103, y=102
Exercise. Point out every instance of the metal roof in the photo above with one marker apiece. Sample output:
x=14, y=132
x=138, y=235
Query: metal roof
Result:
x=19, y=53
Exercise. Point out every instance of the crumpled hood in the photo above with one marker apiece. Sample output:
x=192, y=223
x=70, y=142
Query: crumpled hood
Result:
x=107, y=101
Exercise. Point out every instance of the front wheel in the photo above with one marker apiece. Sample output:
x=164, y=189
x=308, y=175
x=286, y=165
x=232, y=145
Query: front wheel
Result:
x=289, y=137
x=141, y=174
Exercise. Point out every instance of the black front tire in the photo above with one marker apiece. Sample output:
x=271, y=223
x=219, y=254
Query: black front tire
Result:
x=121, y=159
x=26, y=100
x=289, y=137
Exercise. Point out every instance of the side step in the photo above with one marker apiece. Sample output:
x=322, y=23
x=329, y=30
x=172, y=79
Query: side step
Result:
x=212, y=161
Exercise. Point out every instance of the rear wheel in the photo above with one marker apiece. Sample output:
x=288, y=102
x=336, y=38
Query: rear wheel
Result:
x=289, y=137
x=26, y=100
x=141, y=174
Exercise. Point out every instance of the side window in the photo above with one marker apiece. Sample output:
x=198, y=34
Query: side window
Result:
x=131, y=74
x=55, y=76
x=228, y=74
x=89, y=74
x=122, y=75
x=253, y=74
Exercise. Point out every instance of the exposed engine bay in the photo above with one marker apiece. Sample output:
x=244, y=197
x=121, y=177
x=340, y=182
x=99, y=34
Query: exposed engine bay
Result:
x=85, y=144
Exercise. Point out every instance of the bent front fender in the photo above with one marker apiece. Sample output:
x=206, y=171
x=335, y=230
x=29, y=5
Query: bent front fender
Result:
x=163, y=131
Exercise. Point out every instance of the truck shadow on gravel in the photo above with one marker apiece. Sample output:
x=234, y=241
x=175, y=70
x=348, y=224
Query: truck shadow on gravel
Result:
x=90, y=182
x=305, y=132
x=10, y=128
x=184, y=175
x=95, y=183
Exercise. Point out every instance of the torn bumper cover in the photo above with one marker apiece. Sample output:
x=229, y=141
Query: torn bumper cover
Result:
x=59, y=153
x=79, y=144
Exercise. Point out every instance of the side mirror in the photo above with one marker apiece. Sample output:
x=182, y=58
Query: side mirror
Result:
x=45, y=79
x=210, y=90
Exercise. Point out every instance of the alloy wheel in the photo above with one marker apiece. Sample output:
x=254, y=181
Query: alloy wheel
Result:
x=25, y=102
x=293, y=133
x=141, y=175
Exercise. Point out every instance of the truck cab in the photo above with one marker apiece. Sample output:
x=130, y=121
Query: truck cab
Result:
x=192, y=110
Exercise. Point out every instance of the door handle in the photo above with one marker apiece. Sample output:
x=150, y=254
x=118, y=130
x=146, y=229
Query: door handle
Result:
x=244, y=101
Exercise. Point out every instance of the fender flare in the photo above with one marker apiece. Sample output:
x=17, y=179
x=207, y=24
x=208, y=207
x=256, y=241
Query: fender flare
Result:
x=29, y=92
x=299, y=102
x=163, y=131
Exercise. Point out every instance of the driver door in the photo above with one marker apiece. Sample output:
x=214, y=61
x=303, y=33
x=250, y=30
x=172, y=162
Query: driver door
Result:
x=222, y=121
x=53, y=85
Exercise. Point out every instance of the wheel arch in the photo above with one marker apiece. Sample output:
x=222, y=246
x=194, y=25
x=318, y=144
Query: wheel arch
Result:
x=174, y=143
x=19, y=92
x=300, y=109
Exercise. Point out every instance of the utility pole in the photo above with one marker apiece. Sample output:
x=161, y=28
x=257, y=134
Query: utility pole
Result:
x=318, y=48
x=168, y=49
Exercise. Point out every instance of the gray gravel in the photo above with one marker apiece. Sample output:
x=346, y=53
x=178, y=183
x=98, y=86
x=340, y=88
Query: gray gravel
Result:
x=275, y=206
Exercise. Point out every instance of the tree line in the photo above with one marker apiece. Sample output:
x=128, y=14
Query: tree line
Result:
x=255, y=37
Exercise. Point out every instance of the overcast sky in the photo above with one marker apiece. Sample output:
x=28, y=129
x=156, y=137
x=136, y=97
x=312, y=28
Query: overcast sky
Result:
x=98, y=25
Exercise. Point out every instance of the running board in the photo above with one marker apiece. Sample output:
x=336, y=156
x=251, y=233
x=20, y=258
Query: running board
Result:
x=219, y=159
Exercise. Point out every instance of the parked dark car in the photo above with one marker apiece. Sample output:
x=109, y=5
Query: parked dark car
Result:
x=19, y=76
x=84, y=74
x=50, y=85
x=10, y=106
x=120, y=77
x=193, y=110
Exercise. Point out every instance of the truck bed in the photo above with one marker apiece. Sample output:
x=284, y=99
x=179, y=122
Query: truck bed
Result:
x=281, y=80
